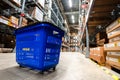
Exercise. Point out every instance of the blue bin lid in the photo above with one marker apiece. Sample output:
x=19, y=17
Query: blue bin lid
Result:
x=39, y=25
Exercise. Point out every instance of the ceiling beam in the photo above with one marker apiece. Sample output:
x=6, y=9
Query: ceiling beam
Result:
x=74, y=25
x=73, y=12
x=94, y=25
x=103, y=9
x=100, y=14
x=106, y=2
x=101, y=18
x=97, y=22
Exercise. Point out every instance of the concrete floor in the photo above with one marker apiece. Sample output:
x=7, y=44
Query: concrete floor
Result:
x=72, y=66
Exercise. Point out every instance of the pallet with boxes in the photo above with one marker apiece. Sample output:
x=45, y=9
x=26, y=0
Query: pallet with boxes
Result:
x=65, y=45
x=97, y=54
x=13, y=21
x=113, y=47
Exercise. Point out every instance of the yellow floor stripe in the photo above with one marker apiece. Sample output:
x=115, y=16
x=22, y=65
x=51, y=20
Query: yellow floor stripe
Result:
x=115, y=77
x=108, y=72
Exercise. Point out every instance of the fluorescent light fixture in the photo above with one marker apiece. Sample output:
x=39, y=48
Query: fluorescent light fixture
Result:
x=73, y=21
x=72, y=17
x=70, y=3
x=65, y=21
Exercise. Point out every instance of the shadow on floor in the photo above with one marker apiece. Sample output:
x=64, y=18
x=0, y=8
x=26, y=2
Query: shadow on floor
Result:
x=116, y=70
x=17, y=73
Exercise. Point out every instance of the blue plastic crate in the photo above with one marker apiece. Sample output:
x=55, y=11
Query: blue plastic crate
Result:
x=38, y=45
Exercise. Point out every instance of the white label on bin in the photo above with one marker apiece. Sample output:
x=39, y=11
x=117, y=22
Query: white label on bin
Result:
x=55, y=32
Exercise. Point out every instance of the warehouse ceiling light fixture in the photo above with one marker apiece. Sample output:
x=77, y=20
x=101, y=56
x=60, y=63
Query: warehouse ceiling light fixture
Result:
x=73, y=18
x=65, y=21
x=70, y=3
x=73, y=21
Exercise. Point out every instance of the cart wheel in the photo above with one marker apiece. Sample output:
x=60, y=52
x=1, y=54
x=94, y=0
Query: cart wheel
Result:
x=20, y=66
x=42, y=72
x=54, y=68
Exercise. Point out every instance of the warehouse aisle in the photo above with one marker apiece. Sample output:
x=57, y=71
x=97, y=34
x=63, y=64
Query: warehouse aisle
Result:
x=72, y=66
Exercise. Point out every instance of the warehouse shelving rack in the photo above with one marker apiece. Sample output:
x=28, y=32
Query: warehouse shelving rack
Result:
x=83, y=19
x=53, y=16
x=66, y=43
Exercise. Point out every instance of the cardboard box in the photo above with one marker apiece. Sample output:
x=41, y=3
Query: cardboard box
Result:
x=113, y=44
x=113, y=53
x=24, y=20
x=41, y=2
x=10, y=24
x=98, y=54
x=4, y=20
x=91, y=52
x=14, y=20
x=114, y=33
x=17, y=2
x=116, y=22
x=114, y=39
x=113, y=59
x=37, y=14
x=24, y=24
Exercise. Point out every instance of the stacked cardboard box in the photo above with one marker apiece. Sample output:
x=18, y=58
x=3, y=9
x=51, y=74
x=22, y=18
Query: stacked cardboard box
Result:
x=98, y=54
x=101, y=38
x=37, y=14
x=17, y=2
x=114, y=39
x=113, y=58
x=24, y=21
x=4, y=20
x=41, y=2
x=13, y=20
x=113, y=47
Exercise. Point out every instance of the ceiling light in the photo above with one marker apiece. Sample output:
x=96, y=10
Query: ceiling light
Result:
x=70, y=3
x=73, y=21
x=72, y=17
x=65, y=21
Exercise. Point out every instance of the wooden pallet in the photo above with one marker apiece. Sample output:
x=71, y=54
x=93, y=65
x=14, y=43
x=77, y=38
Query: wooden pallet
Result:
x=101, y=64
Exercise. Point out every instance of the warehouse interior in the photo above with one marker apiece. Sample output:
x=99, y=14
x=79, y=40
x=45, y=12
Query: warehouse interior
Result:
x=80, y=33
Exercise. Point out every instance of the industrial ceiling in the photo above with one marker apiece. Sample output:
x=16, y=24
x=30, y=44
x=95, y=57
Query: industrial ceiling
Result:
x=100, y=14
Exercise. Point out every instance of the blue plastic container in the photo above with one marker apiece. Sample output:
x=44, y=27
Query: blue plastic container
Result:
x=38, y=46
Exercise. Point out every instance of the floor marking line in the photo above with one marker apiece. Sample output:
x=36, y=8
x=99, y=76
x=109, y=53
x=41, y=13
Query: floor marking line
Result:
x=107, y=71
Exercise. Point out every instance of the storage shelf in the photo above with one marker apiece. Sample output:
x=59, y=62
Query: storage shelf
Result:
x=117, y=26
x=11, y=4
x=5, y=29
